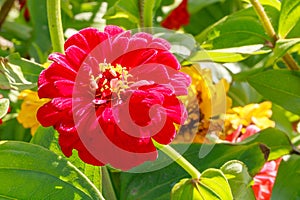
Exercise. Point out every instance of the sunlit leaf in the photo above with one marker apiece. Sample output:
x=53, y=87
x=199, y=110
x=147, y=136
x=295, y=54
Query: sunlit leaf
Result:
x=228, y=55
x=289, y=17
x=18, y=73
x=4, y=105
x=212, y=185
x=239, y=179
x=35, y=172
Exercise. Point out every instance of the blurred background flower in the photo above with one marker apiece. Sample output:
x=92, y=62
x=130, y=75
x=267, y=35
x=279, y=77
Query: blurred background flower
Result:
x=29, y=107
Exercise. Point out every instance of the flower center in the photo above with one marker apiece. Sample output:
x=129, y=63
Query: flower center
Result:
x=111, y=79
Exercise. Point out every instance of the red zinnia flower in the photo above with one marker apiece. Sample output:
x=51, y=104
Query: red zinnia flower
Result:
x=264, y=180
x=112, y=93
x=178, y=17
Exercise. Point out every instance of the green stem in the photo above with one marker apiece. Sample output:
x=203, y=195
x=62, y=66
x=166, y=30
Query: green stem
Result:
x=146, y=14
x=179, y=159
x=264, y=19
x=107, y=187
x=7, y=5
x=55, y=25
x=259, y=9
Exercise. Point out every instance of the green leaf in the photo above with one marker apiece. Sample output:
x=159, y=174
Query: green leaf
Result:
x=289, y=17
x=241, y=28
x=287, y=180
x=35, y=172
x=278, y=147
x=48, y=138
x=280, y=86
x=281, y=48
x=239, y=180
x=4, y=105
x=228, y=55
x=18, y=73
x=136, y=185
x=211, y=185
x=214, y=185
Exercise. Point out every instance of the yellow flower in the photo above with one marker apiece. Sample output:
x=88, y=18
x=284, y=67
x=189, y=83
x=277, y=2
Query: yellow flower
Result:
x=256, y=114
x=29, y=108
x=206, y=102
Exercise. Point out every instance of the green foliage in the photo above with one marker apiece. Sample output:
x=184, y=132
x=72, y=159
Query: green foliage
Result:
x=136, y=185
x=278, y=148
x=239, y=180
x=27, y=167
x=211, y=185
x=289, y=18
x=287, y=180
x=18, y=73
x=280, y=86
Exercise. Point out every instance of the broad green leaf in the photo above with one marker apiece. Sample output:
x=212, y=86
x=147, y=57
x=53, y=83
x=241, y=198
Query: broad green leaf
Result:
x=239, y=180
x=157, y=184
x=289, y=17
x=214, y=185
x=241, y=28
x=281, y=48
x=278, y=147
x=35, y=172
x=211, y=185
x=287, y=180
x=4, y=105
x=18, y=73
x=280, y=86
x=228, y=55
x=48, y=138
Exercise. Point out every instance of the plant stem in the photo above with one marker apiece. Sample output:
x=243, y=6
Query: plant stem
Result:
x=146, y=14
x=7, y=5
x=179, y=159
x=259, y=9
x=55, y=25
x=264, y=19
x=107, y=187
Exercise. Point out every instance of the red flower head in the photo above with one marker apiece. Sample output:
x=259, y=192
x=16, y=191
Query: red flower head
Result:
x=112, y=93
x=178, y=17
